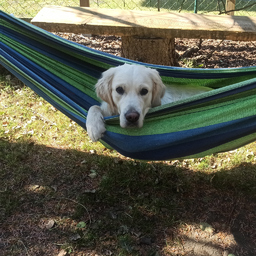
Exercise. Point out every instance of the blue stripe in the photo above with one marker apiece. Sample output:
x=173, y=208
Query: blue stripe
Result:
x=47, y=79
x=39, y=79
x=78, y=119
x=180, y=144
x=57, y=54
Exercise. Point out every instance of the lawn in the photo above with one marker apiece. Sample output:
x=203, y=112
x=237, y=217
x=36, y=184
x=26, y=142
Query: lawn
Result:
x=61, y=194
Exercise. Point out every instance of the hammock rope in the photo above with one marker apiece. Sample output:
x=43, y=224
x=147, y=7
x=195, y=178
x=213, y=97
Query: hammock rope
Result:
x=64, y=73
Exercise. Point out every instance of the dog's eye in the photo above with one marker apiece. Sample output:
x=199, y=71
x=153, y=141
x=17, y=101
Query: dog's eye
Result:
x=120, y=90
x=143, y=92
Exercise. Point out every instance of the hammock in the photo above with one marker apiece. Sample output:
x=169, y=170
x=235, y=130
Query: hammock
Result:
x=64, y=73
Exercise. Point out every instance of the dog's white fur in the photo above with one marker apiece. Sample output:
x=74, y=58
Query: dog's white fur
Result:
x=130, y=91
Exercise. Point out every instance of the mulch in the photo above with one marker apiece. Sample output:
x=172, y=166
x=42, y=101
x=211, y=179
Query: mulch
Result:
x=205, y=53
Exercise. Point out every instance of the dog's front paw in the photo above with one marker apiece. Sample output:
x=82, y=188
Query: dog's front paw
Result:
x=96, y=131
x=95, y=123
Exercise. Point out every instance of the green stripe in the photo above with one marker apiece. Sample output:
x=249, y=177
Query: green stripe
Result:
x=55, y=98
x=212, y=83
x=231, y=108
x=234, y=144
x=79, y=80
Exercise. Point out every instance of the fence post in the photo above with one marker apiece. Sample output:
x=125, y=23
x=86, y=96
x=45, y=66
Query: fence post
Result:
x=230, y=5
x=84, y=3
x=195, y=6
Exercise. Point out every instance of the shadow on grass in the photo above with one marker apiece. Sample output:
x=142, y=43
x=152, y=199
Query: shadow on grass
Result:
x=87, y=203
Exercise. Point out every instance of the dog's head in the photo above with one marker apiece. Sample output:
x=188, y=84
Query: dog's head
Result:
x=130, y=90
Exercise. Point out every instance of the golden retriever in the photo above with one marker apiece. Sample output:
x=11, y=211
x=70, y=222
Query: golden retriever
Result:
x=130, y=91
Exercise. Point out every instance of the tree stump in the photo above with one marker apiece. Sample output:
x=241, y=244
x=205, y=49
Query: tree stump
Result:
x=159, y=51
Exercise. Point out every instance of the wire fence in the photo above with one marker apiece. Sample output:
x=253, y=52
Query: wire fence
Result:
x=29, y=8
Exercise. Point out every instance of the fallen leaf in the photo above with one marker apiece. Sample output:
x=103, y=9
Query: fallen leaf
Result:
x=93, y=174
x=62, y=253
x=81, y=224
x=49, y=224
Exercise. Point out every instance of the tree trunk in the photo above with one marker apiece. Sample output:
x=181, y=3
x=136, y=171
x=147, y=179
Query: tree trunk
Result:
x=159, y=51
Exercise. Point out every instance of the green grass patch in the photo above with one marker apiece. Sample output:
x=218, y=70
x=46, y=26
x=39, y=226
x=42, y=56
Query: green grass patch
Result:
x=77, y=196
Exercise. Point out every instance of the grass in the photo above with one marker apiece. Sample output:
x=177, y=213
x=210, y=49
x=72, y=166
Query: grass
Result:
x=29, y=8
x=59, y=192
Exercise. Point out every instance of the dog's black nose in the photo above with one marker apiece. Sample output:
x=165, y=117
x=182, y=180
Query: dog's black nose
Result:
x=132, y=116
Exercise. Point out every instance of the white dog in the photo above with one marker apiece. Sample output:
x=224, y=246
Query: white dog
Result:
x=130, y=91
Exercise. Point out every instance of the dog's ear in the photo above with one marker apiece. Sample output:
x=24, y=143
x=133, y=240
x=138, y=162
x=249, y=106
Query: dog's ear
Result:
x=158, y=89
x=104, y=87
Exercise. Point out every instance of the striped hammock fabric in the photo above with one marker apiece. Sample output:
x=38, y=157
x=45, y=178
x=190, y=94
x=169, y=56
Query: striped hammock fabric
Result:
x=64, y=73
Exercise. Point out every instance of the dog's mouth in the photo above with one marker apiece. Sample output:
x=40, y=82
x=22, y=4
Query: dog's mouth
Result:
x=126, y=124
x=132, y=125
